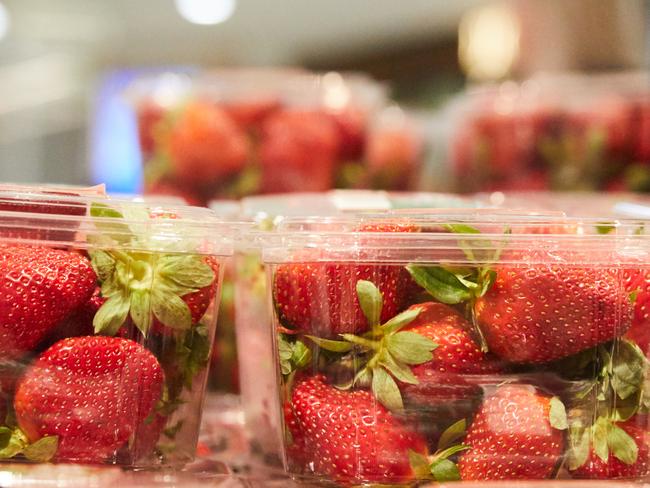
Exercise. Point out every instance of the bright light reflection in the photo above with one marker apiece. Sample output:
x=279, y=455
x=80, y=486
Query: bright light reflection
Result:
x=4, y=21
x=205, y=12
x=488, y=41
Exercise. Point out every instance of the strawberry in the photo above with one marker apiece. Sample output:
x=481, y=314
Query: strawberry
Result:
x=173, y=290
x=205, y=145
x=392, y=156
x=456, y=351
x=637, y=283
x=351, y=124
x=348, y=437
x=542, y=312
x=456, y=358
x=513, y=436
x=625, y=452
x=79, y=322
x=297, y=152
x=91, y=392
x=250, y=114
x=39, y=287
x=320, y=298
x=149, y=114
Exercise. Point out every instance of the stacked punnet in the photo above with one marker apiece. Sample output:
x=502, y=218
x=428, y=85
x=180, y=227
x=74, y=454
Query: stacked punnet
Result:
x=108, y=310
x=440, y=347
x=553, y=133
x=234, y=133
x=258, y=385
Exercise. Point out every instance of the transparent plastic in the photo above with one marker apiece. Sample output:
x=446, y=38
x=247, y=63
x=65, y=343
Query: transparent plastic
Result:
x=553, y=132
x=233, y=133
x=461, y=345
x=259, y=387
x=108, y=312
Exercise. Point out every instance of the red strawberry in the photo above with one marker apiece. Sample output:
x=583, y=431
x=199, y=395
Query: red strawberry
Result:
x=320, y=298
x=351, y=124
x=39, y=287
x=542, y=312
x=79, y=322
x=596, y=468
x=148, y=114
x=206, y=146
x=251, y=114
x=511, y=437
x=297, y=152
x=198, y=301
x=350, y=438
x=637, y=282
x=456, y=356
x=91, y=392
x=392, y=156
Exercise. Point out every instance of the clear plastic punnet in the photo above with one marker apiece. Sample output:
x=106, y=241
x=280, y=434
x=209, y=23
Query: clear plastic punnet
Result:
x=550, y=132
x=253, y=317
x=107, y=312
x=461, y=345
x=239, y=132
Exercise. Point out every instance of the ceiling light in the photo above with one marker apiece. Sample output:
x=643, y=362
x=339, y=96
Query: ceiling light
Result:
x=488, y=41
x=205, y=12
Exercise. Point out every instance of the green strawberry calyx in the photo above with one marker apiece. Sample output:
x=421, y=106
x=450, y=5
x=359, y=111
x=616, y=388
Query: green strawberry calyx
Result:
x=14, y=442
x=619, y=391
x=454, y=285
x=389, y=351
x=439, y=466
x=144, y=285
x=605, y=438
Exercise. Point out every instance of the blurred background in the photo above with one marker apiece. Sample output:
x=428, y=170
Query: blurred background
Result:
x=64, y=65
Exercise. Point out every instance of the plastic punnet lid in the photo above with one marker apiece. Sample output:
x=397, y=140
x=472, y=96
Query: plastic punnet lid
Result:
x=47, y=216
x=292, y=86
x=461, y=237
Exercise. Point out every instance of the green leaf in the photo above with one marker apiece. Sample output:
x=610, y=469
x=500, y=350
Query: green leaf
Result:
x=115, y=229
x=5, y=436
x=189, y=271
x=285, y=352
x=330, y=345
x=557, y=414
x=488, y=279
x=605, y=228
x=141, y=310
x=401, y=320
x=17, y=442
x=386, y=391
x=301, y=355
x=461, y=229
x=445, y=470
x=622, y=445
x=363, y=378
x=579, y=451
x=42, y=450
x=103, y=264
x=450, y=451
x=370, y=300
x=170, y=432
x=111, y=315
x=440, y=283
x=599, y=438
x=170, y=309
x=451, y=434
x=419, y=464
x=397, y=369
x=410, y=347
x=628, y=369
x=197, y=343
